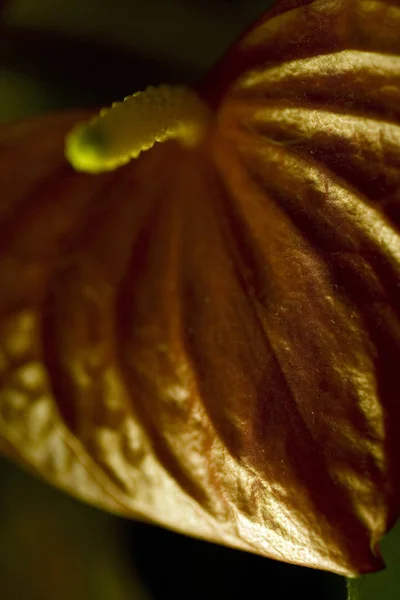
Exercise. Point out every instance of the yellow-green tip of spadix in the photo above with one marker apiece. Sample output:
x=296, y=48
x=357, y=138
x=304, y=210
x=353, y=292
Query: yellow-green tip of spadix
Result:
x=85, y=148
x=133, y=126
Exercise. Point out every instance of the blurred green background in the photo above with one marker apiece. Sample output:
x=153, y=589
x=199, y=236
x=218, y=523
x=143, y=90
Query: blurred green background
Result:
x=63, y=53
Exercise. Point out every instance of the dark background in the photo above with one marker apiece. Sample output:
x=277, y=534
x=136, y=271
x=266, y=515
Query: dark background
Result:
x=55, y=548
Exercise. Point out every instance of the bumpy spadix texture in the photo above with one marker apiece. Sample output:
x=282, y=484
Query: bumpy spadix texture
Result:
x=128, y=128
x=210, y=339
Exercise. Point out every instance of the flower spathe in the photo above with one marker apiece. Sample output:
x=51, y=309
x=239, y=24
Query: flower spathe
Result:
x=209, y=337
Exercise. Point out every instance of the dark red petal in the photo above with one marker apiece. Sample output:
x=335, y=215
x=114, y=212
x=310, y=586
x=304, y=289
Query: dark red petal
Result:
x=210, y=339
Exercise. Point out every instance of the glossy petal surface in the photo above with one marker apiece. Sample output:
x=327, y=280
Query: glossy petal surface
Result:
x=210, y=339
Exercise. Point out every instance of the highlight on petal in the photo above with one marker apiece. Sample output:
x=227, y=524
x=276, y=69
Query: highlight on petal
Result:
x=210, y=338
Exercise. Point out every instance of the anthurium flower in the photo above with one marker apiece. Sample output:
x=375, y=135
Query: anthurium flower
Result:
x=208, y=337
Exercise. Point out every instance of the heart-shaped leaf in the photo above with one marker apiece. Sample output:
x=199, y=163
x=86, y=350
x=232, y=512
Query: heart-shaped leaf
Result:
x=209, y=338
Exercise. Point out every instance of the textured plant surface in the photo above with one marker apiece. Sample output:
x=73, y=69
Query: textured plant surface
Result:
x=208, y=338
